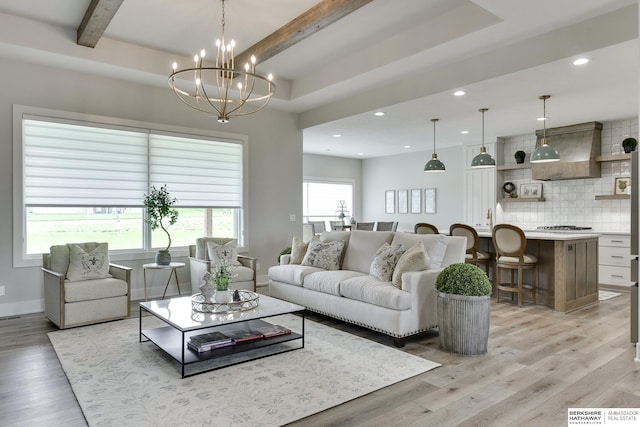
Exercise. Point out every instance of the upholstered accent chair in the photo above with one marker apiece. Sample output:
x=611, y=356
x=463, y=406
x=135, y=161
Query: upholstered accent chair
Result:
x=200, y=263
x=72, y=297
x=425, y=228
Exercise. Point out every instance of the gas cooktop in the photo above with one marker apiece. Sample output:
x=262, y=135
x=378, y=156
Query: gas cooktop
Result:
x=562, y=227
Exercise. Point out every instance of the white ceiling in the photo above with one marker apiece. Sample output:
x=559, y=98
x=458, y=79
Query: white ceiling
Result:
x=403, y=57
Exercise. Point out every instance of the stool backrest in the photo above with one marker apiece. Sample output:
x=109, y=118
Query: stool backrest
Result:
x=509, y=240
x=466, y=231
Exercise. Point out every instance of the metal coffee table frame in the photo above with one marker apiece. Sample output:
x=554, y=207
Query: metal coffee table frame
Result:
x=182, y=322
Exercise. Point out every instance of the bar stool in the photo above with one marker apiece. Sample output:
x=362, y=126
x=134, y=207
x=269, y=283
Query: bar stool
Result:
x=510, y=243
x=424, y=228
x=473, y=255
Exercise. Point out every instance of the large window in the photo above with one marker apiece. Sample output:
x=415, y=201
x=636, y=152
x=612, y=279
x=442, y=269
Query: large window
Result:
x=322, y=200
x=85, y=180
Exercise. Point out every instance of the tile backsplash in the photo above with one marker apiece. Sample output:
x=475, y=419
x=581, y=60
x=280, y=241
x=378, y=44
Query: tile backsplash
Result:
x=571, y=202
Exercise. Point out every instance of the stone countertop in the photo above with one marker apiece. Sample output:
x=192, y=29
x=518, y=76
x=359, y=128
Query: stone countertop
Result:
x=545, y=235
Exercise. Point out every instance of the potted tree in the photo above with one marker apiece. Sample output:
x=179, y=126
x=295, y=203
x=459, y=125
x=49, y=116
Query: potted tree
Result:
x=464, y=309
x=159, y=207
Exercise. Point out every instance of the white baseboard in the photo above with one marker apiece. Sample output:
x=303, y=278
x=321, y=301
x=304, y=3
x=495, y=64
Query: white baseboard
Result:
x=24, y=307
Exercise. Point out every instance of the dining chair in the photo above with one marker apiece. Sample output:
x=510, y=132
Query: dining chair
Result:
x=386, y=225
x=424, y=228
x=365, y=226
x=318, y=226
x=336, y=225
x=510, y=243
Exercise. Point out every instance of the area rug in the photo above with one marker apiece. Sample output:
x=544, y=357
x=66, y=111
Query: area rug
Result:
x=605, y=295
x=119, y=381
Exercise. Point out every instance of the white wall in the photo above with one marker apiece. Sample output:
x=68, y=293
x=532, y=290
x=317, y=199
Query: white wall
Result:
x=275, y=163
x=316, y=166
x=405, y=172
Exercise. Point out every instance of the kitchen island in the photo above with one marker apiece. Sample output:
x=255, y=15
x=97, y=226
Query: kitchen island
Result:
x=567, y=267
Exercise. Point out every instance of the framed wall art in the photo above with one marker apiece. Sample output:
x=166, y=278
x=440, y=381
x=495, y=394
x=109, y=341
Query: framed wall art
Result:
x=416, y=201
x=531, y=190
x=621, y=185
x=403, y=201
x=390, y=201
x=430, y=200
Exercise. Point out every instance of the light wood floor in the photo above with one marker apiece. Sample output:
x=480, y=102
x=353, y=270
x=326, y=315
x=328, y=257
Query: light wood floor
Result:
x=539, y=364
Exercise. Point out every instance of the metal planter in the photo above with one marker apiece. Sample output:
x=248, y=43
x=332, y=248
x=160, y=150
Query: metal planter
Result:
x=463, y=323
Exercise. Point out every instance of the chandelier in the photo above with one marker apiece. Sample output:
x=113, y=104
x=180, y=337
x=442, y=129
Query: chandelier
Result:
x=220, y=89
x=484, y=159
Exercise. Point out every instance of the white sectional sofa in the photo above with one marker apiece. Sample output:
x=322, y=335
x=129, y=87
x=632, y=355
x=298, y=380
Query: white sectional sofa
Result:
x=352, y=295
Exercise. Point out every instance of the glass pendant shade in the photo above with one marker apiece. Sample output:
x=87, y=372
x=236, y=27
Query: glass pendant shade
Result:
x=545, y=153
x=484, y=159
x=434, y=165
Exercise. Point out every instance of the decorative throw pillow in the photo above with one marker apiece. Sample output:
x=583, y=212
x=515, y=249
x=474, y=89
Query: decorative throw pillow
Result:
x=384, y=261
x=324, y=254
x=85, y=265
x=414, y=259
x=437, y=252
x=227, y=252
x=298, y=250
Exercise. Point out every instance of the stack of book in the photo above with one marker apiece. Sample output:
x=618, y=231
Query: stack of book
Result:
x=213, y=340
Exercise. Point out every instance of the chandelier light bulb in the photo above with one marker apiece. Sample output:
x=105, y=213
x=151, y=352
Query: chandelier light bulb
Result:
x=253, y=60
x=202, y=52
x=195, y=58
x=246, y=66
x=270, y=77
x=198, y=82
x=239, y=86
x=217, y=42
x=174, y=66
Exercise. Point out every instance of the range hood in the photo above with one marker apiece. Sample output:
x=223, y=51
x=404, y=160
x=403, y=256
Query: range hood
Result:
x=578, y=146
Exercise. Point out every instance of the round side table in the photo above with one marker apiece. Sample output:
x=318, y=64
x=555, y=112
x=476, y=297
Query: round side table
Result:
x=153, y=266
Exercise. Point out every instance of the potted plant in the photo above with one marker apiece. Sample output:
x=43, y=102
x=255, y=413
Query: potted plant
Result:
x=159, y=208
x=464, y=309
x=221, y=275
x=520, y=155
x=629, y=145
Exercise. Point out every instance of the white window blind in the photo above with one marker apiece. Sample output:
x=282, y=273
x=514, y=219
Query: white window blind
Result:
x=197, y=172
x=72, y=165
x=321, y=199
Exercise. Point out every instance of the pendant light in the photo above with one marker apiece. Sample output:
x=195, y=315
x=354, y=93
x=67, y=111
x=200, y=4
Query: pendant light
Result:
x=434, y=165
x=484, y=159
x=545, y=153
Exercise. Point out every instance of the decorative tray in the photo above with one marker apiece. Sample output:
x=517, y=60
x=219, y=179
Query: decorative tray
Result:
x=248, y=301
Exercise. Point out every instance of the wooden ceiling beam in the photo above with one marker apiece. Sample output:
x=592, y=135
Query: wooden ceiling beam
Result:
x=310, y=22
x=95, y=21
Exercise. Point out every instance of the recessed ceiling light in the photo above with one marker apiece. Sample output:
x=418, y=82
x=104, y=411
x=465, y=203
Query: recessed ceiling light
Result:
x=379, y=113
x=360, y=154
x=464, y=132
x=580, y=61
x=406, y=146
x=459, y=93
x=336, y=135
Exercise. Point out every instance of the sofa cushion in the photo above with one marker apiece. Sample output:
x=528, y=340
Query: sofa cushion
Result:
x=434, y=244
x=298, y=250
x=291, y=274
x=362, y=247
x=414, y=259
x=86, y=290
x=88, y=261
x=373, y=291
x=324, y=254
x=328, y=282
x=223, y=252
x=384, y=261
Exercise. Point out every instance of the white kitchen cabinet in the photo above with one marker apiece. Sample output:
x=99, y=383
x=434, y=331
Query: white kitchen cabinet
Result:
x=480, y=188
x=614, y=259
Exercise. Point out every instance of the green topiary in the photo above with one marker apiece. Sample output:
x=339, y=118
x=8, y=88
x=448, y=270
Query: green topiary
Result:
x=463, y=279
x=285, y=251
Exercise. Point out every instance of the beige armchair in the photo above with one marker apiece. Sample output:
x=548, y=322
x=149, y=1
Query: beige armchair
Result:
x=70, y=303
x=199, y=264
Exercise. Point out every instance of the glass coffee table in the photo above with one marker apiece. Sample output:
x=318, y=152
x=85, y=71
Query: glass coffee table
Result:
x=180, y=322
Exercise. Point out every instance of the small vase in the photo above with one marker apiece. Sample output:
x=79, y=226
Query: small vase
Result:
x=223, y=296
x=520, y=155
x=207, y=290
x=163, y=257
